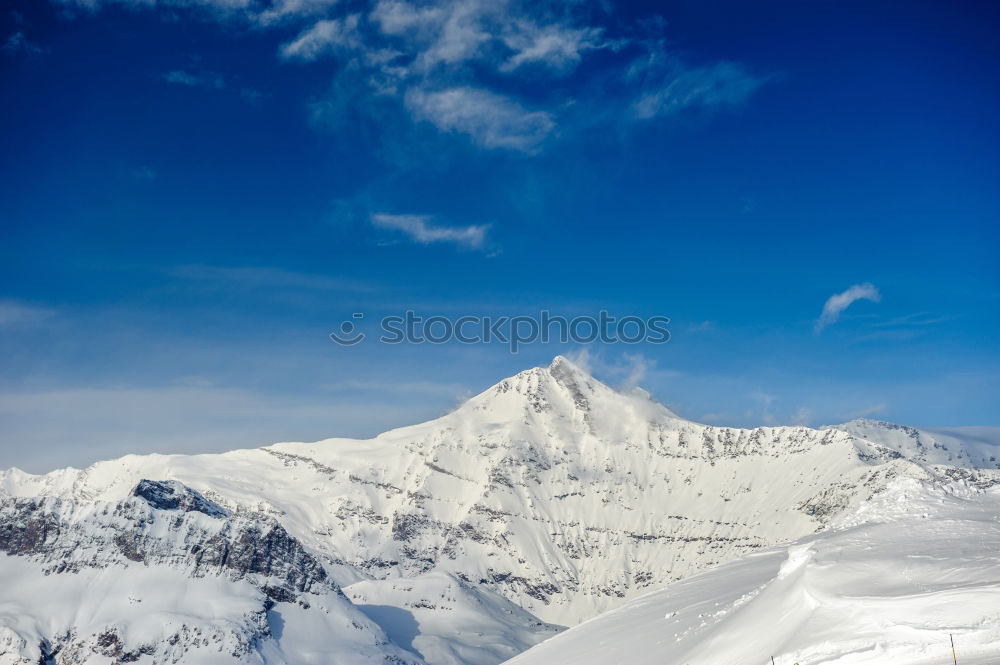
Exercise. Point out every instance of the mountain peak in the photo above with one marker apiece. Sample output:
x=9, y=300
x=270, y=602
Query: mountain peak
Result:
x=564, y=390
x=563, y=361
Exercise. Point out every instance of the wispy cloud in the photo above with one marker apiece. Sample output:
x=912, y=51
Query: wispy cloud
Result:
x=917, y=319
x=195, y=80
x=670, y=86
x=324, y=37
x=283, y=11
x=837, y=303
x=420, y=230
x=19, y=43
x=491, y=120
x=447, y=33
x=554, y=46
x=449, y=64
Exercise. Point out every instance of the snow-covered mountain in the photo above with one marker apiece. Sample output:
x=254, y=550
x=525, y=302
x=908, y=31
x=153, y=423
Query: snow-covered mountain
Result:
x=548, y=498
x=890, y=583
x=167, y=576
x=965, y=447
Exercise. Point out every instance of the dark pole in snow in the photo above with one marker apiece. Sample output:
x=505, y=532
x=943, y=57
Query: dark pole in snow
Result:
x=954, y=657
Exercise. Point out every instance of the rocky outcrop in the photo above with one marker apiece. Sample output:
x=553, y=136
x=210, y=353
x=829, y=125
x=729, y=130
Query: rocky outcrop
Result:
x=161, y=523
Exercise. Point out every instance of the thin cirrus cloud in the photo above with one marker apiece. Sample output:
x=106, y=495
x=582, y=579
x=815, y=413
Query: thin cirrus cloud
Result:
x=838, y=302
x=490, y=120
x=554, y=46
x=420, y=230
x=674, y=87
x=288, y=10
x=200, y=80
x=324, y=37
x=19, y=43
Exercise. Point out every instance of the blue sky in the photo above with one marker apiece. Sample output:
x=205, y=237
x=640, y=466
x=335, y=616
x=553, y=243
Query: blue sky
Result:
x=196, y=193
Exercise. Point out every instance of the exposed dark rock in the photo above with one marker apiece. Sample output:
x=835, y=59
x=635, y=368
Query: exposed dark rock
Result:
x=172, y=495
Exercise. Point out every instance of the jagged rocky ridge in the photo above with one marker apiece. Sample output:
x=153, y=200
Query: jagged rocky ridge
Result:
x=549, y=490
x=200, y=537
x=164, y=538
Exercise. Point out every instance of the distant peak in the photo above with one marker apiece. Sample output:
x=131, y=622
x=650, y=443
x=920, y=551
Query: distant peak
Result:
x=172, y=495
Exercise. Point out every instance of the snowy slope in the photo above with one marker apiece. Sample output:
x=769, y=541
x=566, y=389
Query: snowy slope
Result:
x=549, y=490
x=966, y=447
x=166, y=576
x=448, y=621
x=889, y=584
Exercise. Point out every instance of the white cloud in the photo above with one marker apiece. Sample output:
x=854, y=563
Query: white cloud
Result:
x=396, y=17
x=448, y=33
x=462, y=35
x=323, y=38
x=438, y=58
x=285, y=10
x=671, y=86
x=554, y=46
x=491, y=120
x=506, y=37
x=837, y=303
x=420, y=230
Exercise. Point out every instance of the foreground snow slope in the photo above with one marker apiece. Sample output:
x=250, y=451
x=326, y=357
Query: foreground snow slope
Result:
x=887, y=584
